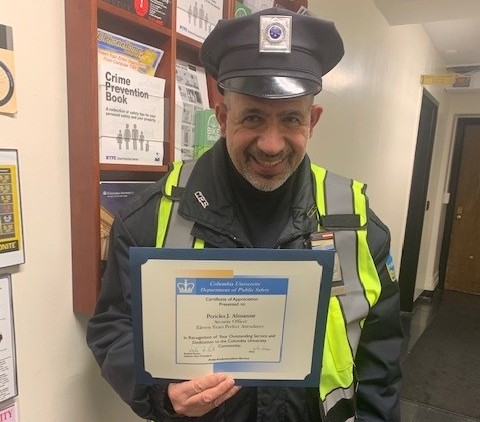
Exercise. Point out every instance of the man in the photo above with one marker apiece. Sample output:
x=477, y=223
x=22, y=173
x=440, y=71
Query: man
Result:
x=257, y=188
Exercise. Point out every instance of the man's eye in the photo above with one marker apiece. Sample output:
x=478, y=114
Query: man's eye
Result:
x=291, y=121
x=252, y=121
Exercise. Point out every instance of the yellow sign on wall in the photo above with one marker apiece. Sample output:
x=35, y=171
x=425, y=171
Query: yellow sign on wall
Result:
x=11, y=239
x=440, y=79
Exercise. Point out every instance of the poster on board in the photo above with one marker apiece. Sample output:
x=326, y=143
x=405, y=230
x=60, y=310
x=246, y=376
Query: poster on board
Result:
x=11, y=232
x=131, y=111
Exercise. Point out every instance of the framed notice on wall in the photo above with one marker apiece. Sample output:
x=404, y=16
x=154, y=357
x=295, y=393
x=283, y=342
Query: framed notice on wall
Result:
x=8, y=364
x=11, y=233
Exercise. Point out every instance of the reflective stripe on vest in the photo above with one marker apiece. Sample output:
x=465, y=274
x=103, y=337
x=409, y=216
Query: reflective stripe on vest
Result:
x=333, y=195
x=168, y=216
x=346, y=313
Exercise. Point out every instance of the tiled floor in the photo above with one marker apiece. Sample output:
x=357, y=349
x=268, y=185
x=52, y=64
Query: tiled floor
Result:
x=417, y=412
x=414, y=324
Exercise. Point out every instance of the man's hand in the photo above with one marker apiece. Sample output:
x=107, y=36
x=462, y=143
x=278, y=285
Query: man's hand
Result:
x=200, y=395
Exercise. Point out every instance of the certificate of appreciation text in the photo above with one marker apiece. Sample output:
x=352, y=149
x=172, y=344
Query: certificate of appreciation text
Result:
x=235, y=319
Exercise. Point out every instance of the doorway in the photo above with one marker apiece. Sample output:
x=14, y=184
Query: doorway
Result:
x=418, y=200
x=460, y=258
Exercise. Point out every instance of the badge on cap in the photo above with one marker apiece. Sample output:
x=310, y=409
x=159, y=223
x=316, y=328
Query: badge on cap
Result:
x=275, y=34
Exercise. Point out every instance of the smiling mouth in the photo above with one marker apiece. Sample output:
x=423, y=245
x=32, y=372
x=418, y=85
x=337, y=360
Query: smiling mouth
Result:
x=267, y=168
x=267, y=163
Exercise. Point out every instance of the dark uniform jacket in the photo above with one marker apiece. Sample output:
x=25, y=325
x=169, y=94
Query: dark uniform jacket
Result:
x=110, y=330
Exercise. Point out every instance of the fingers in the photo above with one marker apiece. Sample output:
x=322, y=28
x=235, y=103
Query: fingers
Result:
x=203, y=383
x=217, y=394
x=225, y=396
x=200, y=395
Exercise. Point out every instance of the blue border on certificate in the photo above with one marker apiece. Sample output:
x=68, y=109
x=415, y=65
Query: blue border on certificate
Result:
x=139, y=256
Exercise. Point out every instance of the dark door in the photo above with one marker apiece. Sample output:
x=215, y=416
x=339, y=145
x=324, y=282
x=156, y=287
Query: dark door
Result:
x=418, y=200
x=463, y=264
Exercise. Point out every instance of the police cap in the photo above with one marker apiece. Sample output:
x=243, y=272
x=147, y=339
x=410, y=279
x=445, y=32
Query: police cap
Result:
x=274, y=53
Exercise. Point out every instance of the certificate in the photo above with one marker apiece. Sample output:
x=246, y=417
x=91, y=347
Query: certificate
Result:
x=256, y=314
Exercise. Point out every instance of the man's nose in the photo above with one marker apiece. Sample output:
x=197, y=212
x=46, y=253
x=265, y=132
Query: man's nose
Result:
x=271, y=142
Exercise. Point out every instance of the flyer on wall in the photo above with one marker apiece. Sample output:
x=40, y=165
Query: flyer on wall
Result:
x=11, y=232
x=8, y=364
x=8, y=102
x=256, y=314
x=131, y=111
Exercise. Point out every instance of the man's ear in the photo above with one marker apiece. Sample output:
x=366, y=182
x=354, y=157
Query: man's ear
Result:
x=315, y=114
x=221, y=114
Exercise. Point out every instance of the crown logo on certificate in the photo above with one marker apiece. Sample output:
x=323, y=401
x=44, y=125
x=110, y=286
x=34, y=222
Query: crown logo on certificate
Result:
x=185, y=287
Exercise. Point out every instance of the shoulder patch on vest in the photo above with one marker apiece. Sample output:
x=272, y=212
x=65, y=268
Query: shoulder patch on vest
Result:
x=390, y=268
x=340, y=221
x=177, y=193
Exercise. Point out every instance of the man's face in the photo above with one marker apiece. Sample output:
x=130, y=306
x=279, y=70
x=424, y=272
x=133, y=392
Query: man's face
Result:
x=266, y=139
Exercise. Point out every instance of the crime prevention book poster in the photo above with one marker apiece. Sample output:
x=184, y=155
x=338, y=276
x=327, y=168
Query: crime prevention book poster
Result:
x=131, y=114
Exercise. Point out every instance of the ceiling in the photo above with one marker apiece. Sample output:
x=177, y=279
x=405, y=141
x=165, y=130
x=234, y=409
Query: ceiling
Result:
x=453, y=25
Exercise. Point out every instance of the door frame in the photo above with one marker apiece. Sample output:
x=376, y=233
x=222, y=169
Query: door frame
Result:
x=462, y=123
x=417, y=203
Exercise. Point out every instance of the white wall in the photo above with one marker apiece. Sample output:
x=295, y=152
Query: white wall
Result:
x=371, y=106
x=58, y=379
x=368, y=131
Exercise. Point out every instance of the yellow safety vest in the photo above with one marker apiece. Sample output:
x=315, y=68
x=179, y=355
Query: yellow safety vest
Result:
x=338, y=199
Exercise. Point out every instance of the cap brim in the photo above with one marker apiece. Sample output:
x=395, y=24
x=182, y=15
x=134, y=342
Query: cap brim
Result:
x=271, y=87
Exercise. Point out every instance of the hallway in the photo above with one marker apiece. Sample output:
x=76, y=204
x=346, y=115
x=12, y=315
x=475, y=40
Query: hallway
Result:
x=425, y=310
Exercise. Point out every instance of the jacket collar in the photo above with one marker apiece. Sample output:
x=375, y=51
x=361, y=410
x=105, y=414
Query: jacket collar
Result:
x=208, y=199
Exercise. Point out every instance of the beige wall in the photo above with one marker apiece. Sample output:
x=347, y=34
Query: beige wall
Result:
x=368, y=131
x=58, y=379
